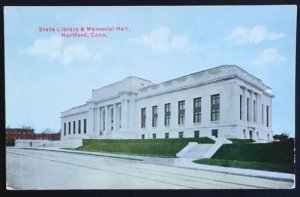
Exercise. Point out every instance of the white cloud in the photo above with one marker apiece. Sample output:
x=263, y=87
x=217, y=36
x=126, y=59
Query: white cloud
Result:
x=75, y=52
x=254, y=35
x=50, y=47
x=54, y=48
x=161, y=40
x=268, y=56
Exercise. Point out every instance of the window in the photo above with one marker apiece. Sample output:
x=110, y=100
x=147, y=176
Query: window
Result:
x=167, y=114
x=69, y=128
x=244, y=132
x=166, y=135
x=241, y=107
x=214, y=132
x=262, y=114
x=120, y=116
x=154, y=135
x=215, y=107
x=103, y=119
x=267, y=111
x=74, y=127
x=181, y=112
x=180, y=134
x=79, y=126
x=257, y=134
x=111, y=119
x=65, y=128
x=247, y=109
x=196, y=134
x=254, y=111
x=154, y=116
x=84, y=125
x=197, y=110
x=143, y=117
x=143, y=136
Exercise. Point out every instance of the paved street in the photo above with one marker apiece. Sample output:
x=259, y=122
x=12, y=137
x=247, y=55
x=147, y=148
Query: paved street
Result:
x=38, y=169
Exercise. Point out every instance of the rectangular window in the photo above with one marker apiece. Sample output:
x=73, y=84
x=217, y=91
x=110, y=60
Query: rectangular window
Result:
x=254, y=111
x=196, y=134
x=267, y=111
x=65, y=128
x=247, y=109
x=143, y=136
x=181, y=112
x=241, y=107
x=215, y=107
x=79, y=126
x=154, y=116
x=214, y=132
x=69, y=128
x=84, y=125
x=154, y=135
x=244, y=132
x=143, y=117
x=262, y=114
x=166, y=135
x=180, y=134
x=197, y=110
x=167, y=114
x=74, y=127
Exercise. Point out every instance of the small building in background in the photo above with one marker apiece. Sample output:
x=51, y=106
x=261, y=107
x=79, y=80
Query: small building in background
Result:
x=47, y=136
x=13, y=134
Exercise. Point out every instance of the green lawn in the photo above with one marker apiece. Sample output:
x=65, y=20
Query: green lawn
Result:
x=149, y=147
x=275, y=156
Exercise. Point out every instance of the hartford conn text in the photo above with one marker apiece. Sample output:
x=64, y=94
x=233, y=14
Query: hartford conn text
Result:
x=85, y=32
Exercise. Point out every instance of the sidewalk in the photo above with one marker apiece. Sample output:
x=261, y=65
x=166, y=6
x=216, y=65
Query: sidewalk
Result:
x=182, y=163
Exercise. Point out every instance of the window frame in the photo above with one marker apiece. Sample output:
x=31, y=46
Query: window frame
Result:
x=180, y=134
x=74, y=127
x=65, y=128
x=79, y=126
x=143, y=117
x=181, y=112
x=197, y=110
x=84, y=125
x=154, y=116
x=167, y=114
x=215, y=107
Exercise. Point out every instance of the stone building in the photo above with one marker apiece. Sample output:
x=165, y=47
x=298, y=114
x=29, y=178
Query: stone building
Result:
x=222, y=101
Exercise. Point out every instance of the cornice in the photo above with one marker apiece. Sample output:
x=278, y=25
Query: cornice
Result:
x=72, y=114
x=224, y=78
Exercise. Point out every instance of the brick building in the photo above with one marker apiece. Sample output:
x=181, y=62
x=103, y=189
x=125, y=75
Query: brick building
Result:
x=12, y=134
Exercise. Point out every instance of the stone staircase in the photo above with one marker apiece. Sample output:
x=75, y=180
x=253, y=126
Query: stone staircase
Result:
x=196, y=151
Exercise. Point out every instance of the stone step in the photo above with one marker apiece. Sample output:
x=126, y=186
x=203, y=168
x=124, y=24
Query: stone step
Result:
x=197, y=151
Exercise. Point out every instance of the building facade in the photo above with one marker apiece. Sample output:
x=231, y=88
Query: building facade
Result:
x=13, y=134
x=223, y=101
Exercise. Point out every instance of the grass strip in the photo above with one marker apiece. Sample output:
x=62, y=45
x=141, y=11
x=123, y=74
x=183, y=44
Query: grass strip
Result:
x=146, y=147
x=276, y=167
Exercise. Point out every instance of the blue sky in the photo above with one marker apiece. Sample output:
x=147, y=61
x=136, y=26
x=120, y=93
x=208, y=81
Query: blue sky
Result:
x=46, y=74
